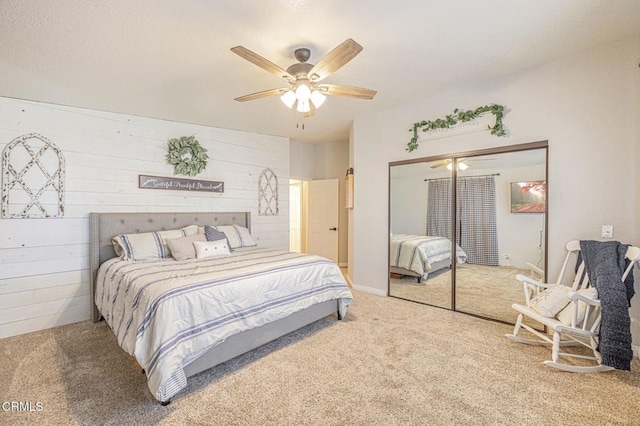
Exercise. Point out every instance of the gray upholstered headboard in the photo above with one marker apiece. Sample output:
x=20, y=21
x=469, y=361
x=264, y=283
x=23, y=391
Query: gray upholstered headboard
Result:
x=105, y=226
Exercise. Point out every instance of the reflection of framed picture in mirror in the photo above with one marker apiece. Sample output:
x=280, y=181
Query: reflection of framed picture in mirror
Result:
x=529, y=197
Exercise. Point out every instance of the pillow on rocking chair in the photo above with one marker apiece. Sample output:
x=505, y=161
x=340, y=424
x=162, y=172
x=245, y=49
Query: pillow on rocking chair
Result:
x=551, y=301
x=566, y=315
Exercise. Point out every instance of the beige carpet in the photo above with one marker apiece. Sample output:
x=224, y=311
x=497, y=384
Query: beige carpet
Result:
x=389, y=362
x=488, y=291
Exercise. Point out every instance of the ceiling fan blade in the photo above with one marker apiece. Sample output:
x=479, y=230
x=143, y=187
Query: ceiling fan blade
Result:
x=263, y=63
x=440, y=163
x=334, y=60
x=311, y=112
x=347, y=91
x=262, y=94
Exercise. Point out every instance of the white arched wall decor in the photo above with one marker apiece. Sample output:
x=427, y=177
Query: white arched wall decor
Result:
x=268, y=193
x=32, y=178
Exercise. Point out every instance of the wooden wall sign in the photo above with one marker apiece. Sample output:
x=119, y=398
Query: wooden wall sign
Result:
x=176, y=184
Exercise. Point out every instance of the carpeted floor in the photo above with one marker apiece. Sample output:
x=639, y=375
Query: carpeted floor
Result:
x=482, y=290
x=388, y=362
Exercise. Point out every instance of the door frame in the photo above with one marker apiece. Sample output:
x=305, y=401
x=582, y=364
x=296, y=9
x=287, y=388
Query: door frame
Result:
x=299, y=183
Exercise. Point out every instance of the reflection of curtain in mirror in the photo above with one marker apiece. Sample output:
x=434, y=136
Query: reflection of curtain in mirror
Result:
x=476, y=207
x=439, y=208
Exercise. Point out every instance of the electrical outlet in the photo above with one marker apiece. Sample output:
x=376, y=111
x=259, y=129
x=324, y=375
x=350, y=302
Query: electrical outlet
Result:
x=607, y=231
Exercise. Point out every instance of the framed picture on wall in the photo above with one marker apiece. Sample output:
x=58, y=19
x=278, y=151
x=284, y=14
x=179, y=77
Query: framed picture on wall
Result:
x=529, y=197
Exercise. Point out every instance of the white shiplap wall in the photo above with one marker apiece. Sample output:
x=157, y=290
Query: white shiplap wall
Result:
x=44, y=278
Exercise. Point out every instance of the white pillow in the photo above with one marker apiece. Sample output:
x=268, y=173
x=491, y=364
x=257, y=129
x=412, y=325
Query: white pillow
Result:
x=566, y=315
x=551, y=301
x=148, y=245
x=238, y=236
x=205, y=249
x=182, y=248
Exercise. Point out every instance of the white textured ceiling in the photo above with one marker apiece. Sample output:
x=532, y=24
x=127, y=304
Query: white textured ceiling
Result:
x=170, y=59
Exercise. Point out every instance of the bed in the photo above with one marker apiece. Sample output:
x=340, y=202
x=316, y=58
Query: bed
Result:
x=178, y=318
x=419, y=255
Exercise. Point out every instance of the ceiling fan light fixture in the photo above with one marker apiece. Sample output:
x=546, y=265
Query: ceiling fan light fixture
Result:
x=288, y=98
x=461, y=165
x=303, y=93
x=303, y=105
x=317, y=98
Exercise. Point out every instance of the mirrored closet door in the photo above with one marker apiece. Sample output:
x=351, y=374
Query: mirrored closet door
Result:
x=492, y=203
x=411, y=235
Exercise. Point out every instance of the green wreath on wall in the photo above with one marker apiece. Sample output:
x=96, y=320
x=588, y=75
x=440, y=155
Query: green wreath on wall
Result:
x=187, y=156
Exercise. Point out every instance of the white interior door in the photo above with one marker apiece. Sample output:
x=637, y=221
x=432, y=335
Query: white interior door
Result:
x=295, y=217
x=322, y=218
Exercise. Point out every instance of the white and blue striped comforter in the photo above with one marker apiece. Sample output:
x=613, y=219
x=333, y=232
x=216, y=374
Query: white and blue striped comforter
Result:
x=167, y=313
x=418, y=253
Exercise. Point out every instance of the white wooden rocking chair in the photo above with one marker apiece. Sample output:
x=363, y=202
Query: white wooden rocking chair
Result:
x=583, y=326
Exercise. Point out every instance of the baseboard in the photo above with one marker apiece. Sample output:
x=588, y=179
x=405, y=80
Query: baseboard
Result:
x=370, y=290
x=636, y=350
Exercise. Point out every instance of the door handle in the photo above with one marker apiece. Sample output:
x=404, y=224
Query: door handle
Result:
x=333, y=229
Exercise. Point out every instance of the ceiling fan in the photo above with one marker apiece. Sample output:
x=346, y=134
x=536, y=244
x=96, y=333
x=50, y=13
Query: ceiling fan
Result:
x=463, y=164
x=305, y=91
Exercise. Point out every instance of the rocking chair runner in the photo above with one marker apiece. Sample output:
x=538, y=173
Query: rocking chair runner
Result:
x=583, y=327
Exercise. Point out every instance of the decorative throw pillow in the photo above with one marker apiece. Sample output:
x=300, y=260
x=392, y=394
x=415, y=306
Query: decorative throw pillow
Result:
x=205, y=249
x=182, y=248
x=238, y=236
x=148, y=245
x=566, y=315
x=551, y=301
x=213, y=234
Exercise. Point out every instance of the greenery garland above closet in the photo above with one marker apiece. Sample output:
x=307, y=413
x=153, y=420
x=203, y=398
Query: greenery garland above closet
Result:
x=187, y=156
x=459, y=116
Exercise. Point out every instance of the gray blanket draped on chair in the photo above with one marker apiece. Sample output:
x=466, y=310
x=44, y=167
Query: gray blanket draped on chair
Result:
x=605, y=264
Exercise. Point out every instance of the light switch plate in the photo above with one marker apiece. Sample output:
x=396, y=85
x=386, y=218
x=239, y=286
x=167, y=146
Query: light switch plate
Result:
x=607, y=231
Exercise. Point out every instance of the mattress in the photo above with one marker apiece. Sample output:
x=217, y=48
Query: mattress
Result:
x=167, y=313
x=420, y=254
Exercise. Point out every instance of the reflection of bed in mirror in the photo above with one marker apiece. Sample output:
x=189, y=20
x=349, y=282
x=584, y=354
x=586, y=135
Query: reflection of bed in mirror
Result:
x=419, y=255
